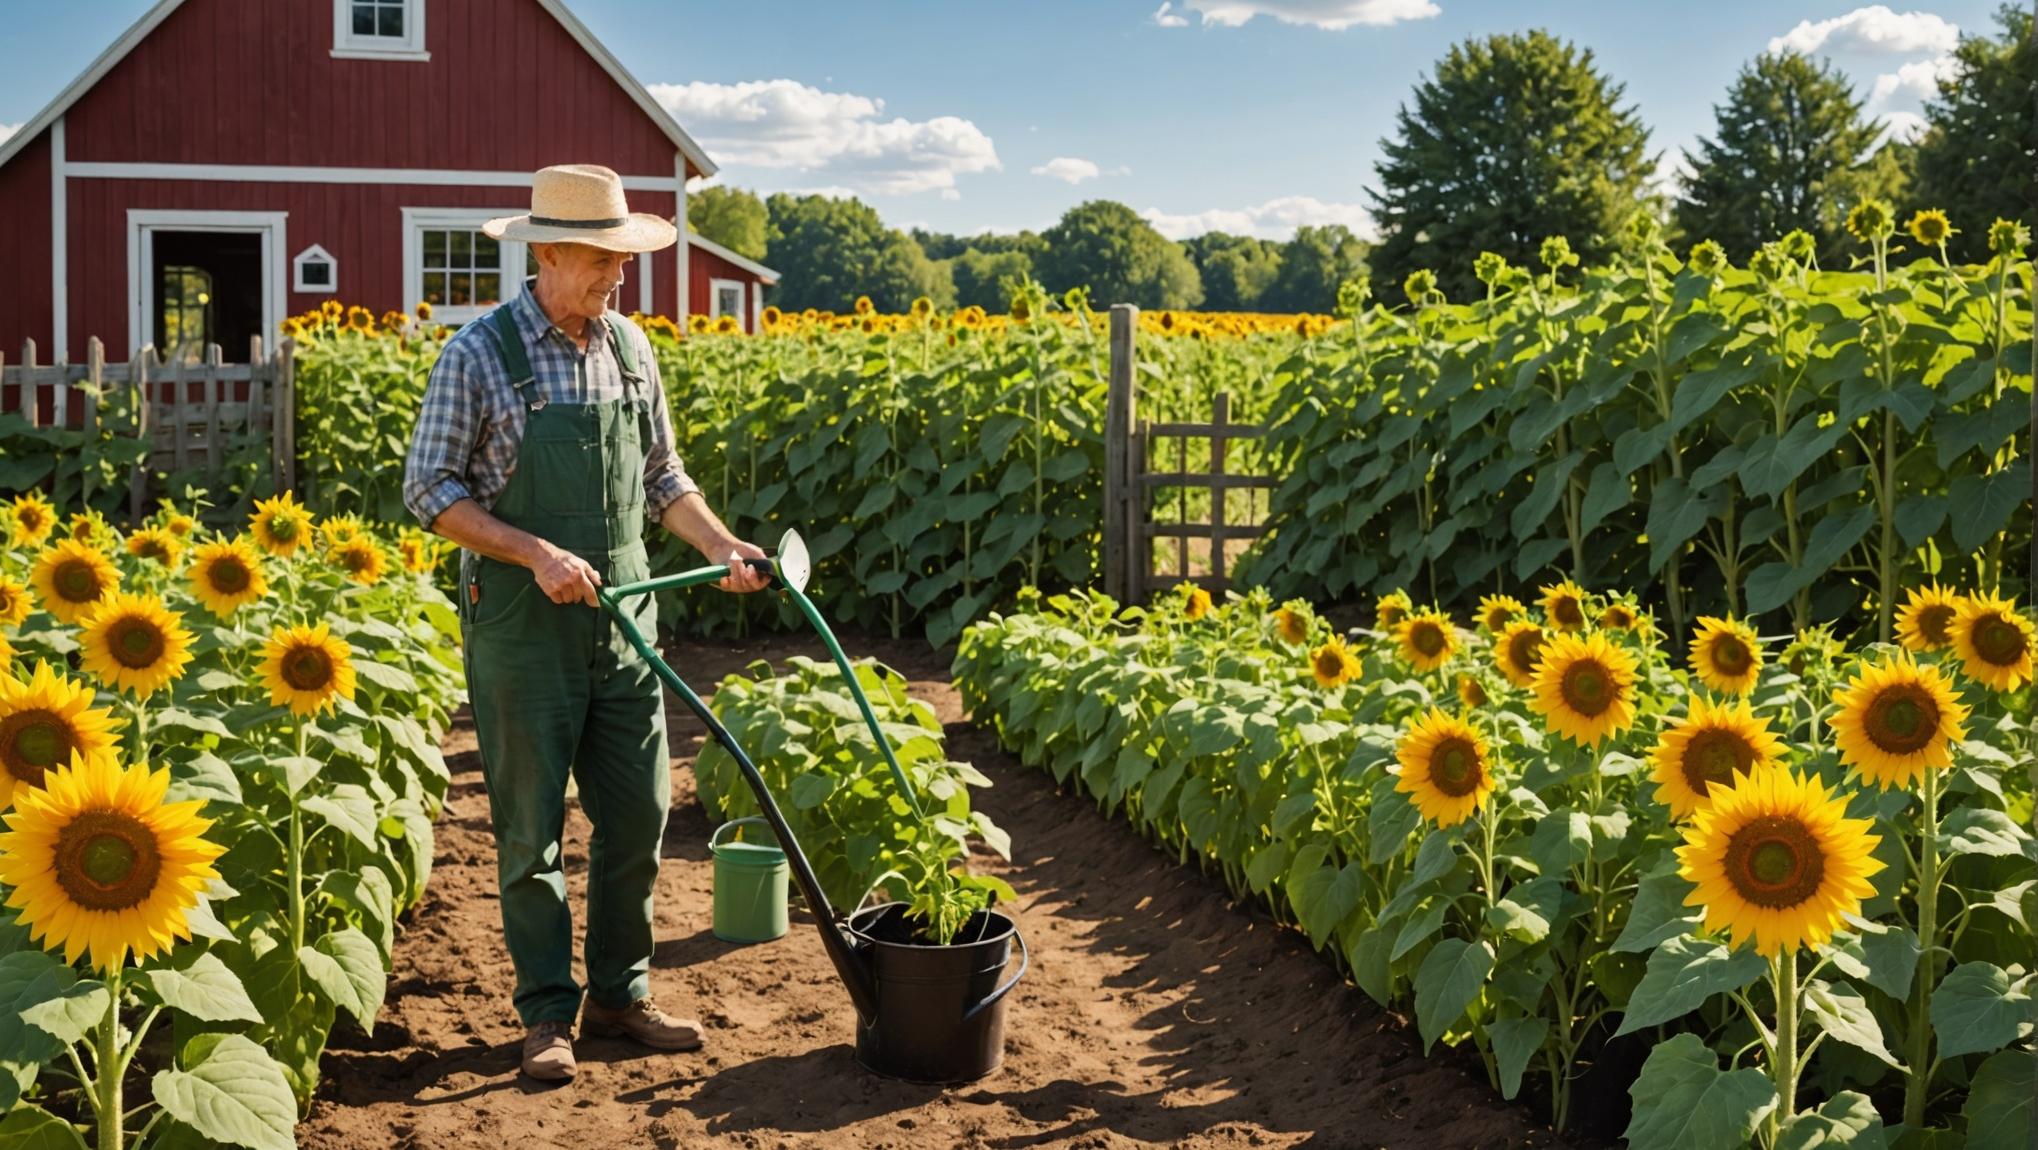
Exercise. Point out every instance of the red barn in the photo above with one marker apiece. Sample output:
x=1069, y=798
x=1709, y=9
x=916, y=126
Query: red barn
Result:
x=227, y=163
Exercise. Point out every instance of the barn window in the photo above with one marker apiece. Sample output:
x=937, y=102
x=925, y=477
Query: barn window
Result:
x=725, y=297
x=450, y=264
x=315, y=270
x=379, y=29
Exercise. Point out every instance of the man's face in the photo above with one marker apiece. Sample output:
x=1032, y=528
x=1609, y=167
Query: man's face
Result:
x=580, y=277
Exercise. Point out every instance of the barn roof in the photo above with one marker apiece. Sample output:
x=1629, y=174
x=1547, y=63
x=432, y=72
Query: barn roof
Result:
x=749, y=265
x=118, y=50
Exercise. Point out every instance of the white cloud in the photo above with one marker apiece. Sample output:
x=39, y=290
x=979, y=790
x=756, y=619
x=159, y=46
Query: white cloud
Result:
x=1333, y=15
x=1276, y=219
x=1918, y=80
x=8, y=130
x=1169, y=19
x=1902, y=126
x=1068, y=169
x=786, y=126
x=1671, y=169
x=1872, y=29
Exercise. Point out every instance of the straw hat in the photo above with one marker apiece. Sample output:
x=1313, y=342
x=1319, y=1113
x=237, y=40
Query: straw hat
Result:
x=583, y=204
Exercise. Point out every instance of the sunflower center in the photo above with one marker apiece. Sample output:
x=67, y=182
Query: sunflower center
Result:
x=1730, y=655
x=1775, y=862
x=154, y=549
x=31, y=742
x=1713, y=757
x=283, y=528
x=30, y=519
x=307, y=669
x=1524, y=649
x=356, y=561
x=1999, y=641
x=1427, y=638
x=6, y=601
x=1933, y=623
x=1588, y=689
x=136, y=643
x=1902, y=719
x=1454, y=767
x=229, y=575
x=1568, y=612
x=1618, y=617
x=107, y=860
x=76, y=581
x=1390, y=616
x=1496, y=619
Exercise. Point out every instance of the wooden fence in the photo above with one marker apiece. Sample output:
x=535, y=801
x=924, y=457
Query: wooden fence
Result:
x=189, y=413
x=1131, y=481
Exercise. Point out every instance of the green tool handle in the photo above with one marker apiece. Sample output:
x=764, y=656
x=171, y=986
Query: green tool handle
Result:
x=612, y=597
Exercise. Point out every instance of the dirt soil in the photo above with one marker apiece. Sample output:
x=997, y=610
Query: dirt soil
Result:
x=1158, y=1012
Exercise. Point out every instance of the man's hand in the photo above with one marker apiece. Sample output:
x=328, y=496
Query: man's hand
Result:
x=742, y=577
x=566, y=577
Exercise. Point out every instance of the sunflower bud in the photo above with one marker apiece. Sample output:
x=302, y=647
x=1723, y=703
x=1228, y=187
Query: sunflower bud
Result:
x=1871, y=219
x=1930, y=227
x=1707, y=258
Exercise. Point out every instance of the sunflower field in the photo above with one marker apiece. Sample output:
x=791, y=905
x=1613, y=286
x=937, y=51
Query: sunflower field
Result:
x=221, y=769
x=1775, y=887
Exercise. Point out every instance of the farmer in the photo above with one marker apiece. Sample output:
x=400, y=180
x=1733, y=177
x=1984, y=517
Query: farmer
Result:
x=543, y=446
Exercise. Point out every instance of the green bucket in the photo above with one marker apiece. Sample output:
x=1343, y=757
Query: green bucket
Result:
x=750, y=887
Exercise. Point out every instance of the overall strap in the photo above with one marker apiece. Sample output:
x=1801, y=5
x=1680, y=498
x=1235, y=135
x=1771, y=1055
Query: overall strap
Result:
x=626, y=358
x=502, y=327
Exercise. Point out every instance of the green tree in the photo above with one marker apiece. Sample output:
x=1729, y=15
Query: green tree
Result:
x=731, y=217
x=1783, y=156
x=1980, y=147
x=1517, y=137
x=829, y=251
x=1108, y=248
x=985, y=279
x=1236, y=270
x=1313, y=264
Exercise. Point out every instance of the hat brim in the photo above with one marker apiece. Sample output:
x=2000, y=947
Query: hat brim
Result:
x=640, y=232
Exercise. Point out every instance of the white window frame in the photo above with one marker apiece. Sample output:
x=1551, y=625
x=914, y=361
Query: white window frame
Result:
x=416, y=220
x=297, y=281
x=715, y=310
x=142, y=224
x=410, y=46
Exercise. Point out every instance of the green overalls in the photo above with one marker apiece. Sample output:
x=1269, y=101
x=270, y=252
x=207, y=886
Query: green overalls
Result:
x=555, y=687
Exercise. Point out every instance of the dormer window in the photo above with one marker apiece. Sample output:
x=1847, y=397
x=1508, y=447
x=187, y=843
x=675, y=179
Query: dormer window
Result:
x=315, y=270
x=379, y=30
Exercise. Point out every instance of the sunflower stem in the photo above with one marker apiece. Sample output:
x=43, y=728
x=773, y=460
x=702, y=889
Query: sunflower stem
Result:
x=1919, y=1063
x=297, y=860
x=1784, y=1061
x=106, y=1057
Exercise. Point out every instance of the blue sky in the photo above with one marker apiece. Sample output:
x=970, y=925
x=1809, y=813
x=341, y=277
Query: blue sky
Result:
x=1250, y=115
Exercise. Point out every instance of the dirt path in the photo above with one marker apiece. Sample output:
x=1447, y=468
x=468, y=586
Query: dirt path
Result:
x=1156, y=1012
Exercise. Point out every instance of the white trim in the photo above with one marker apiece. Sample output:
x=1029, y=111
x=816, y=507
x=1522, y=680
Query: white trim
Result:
x=644, y=282
x=410, y=46
x=417, y=219
x=703, y=166
x=748, y=265
x=279, y=174
x=114, y=54
x=314, y=252
x=143, y=223
x=715, y=289
x=683, y=307
x=60, y=260
x=756, y=307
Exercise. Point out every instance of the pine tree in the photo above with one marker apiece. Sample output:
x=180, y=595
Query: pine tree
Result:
x=1979, y=151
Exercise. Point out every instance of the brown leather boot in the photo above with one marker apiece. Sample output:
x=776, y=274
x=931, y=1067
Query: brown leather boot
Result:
x=548, y=1052
x=643, y=1021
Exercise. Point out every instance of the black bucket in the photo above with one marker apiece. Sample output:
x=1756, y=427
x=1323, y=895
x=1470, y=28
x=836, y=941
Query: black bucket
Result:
x=940, y=1009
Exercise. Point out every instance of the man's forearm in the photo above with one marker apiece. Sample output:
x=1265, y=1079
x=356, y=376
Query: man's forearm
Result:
x=472, y=527
x=690, y=518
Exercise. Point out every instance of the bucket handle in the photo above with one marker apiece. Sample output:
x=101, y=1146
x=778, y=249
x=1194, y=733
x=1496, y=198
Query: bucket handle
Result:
x=1024, y=959
x=873, y=888
x=715, y=839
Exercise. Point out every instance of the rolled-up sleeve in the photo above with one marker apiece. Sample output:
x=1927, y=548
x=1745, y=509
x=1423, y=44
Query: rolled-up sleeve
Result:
x=665, y=477
x=435, y=474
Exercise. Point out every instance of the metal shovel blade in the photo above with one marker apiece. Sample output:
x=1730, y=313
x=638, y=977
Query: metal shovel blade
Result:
x=794, y=567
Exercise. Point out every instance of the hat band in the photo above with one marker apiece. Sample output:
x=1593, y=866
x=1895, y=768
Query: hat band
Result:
x=592, y=225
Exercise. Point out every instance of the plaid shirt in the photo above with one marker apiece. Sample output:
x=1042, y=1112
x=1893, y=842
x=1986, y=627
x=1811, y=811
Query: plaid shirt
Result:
x=465, y=445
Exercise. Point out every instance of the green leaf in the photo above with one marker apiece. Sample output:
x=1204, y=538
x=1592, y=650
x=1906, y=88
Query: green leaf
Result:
x=1845, y=1016
x=1608, y=493
x=297, y=770
x=205, y=777
x=1683, y=973
x=1986, y=503
x=2000, y=1102
x=177, y=717
x=1772, y=463
x=1451, y=976
x=348, y=808
x=1515, y=1041
x=346, y=966
x=1918, y=516
x=1683, y=1102
x=73, y=1013
x=206, y=990
x=1847, y=1119
x=30, y=1127
x=1676, y=513
x=1562, y=840
x=231, y=1092
x=1983, y=831
x=1657, y=913
x=393, y=679
x=1979, y=1008
x=1885, y=958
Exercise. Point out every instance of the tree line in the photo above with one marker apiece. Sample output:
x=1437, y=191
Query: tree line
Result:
x=1512, y=138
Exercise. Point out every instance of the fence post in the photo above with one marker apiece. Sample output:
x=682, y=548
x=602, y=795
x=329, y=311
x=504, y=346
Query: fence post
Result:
x=138, y=479
x=1121, y=525
x=1218, y=490
x=95, y=375
x=31, y=402
x=215, y=363
x=283, y=417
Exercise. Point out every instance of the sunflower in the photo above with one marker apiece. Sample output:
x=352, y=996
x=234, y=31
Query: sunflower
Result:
x=1924, y=622
x=157, y=544
x=338, y=529
x=1726, y=655
x=281, y=525
x=1930, y=227
x=1471, y=692
x=1620, y=616
x=34, y=519
x=1495, y=611
x=1994, y=641
x=1585, y=687
x=1390, y=609
x=1564, y=606
x=1896, y=719
x=1711, y=747
x=1333, y=664
x=419, y=555
x=89, y=526
x=179, y=524
x=1427, y=640
x=226, y=575
x=1518, y=650
x=1776, y=862
x=99, y=863
x=70, y=578
x=45, y=719
x=307, y=668
x=1814, y=649
x=364, y=562
x=132, y=644
x=15, y=602
x=1292, y=625
x=1445, y=770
